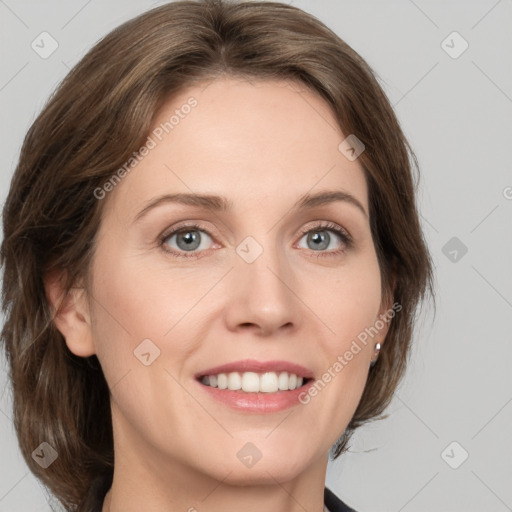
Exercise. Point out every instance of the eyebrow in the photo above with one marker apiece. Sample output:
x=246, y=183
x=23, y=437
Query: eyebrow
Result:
x=222, y=204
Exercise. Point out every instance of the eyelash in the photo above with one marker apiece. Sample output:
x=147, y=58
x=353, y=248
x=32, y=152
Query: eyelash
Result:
x=346, y=239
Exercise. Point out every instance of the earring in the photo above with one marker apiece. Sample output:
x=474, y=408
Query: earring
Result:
x=377, y=350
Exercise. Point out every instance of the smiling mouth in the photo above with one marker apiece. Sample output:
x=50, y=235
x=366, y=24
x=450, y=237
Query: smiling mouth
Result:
x=252, y=382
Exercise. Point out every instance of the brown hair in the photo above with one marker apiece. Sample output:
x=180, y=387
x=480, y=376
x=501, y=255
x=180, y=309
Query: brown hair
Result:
x=100, y=114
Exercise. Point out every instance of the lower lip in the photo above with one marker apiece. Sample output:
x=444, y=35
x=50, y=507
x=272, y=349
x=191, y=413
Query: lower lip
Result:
x=257, y=402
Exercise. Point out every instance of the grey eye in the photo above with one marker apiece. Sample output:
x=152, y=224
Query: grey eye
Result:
x=318, y=239
x=187, y=240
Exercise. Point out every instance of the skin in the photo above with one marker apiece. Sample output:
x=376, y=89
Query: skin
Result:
x=262, y=144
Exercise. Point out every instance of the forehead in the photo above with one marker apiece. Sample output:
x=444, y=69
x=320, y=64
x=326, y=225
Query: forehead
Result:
x=252, y=141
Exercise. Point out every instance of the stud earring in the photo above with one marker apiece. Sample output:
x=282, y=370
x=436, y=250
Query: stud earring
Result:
x=376, y=350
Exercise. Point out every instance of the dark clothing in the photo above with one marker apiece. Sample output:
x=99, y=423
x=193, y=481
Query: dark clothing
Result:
x=334, y=504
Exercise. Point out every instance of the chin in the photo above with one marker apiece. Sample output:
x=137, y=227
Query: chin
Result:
x=281, y=463
x=264, y=473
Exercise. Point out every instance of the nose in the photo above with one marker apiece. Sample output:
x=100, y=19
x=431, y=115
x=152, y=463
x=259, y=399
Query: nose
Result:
x=261, y=292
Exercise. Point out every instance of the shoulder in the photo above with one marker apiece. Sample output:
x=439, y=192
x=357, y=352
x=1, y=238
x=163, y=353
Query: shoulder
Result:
x=334, y=504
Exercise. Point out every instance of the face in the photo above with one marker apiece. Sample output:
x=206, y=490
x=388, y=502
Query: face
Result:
x=258, y=278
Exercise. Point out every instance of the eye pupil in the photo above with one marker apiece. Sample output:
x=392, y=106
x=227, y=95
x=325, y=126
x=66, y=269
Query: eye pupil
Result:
x=191, y=239
x=321, y=239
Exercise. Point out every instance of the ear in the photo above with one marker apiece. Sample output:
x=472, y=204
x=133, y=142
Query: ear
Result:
x=71, y=313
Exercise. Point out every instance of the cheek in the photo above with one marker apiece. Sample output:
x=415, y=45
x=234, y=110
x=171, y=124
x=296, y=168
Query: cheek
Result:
x=350, y=303
x=132, y=297
x=136, y=301
x=350, y=309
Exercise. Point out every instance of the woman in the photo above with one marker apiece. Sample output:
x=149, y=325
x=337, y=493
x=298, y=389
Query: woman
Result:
x=212, y=262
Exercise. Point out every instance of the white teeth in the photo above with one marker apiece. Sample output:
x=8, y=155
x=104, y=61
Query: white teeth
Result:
x=234, y=381
x=222, y=381
x=269, y=382
x=283, y=381
x=252, y=382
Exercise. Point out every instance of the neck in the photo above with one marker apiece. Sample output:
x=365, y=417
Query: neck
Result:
x=145, y=481
x=281, y=497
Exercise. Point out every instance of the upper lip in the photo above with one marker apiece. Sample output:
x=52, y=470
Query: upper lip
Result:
x=252, y=365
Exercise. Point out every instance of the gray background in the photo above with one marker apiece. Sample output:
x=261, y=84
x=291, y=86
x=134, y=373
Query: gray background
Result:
x=457, y=115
